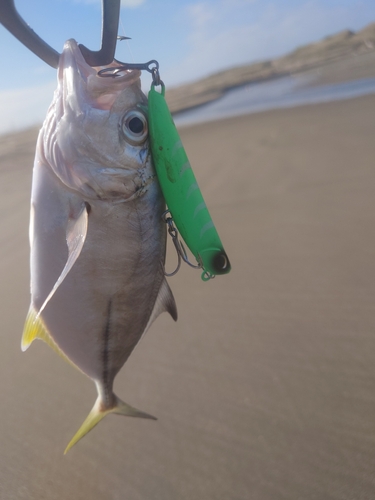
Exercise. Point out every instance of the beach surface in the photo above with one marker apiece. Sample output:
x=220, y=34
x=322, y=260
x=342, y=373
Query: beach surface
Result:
x=265, y=387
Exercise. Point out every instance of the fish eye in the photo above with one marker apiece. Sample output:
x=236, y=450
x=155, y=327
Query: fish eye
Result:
x=134, y=126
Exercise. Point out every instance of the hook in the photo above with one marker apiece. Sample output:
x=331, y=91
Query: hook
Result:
x=106, y=54
x=14, y=23
x=180, y=249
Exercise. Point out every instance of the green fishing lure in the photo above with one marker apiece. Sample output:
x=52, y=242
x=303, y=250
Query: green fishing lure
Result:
x=181, y=191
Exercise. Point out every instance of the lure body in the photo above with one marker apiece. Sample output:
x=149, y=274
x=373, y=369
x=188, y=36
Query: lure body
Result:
x=180, y=189
x=96, y=233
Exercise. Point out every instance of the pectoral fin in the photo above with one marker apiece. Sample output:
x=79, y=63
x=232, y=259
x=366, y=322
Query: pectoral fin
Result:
x=75, y=237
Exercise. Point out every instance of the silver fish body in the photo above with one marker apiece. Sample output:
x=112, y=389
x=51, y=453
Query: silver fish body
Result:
x=96, y=232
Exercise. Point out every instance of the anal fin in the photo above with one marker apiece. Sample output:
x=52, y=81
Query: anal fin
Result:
x=35, y=329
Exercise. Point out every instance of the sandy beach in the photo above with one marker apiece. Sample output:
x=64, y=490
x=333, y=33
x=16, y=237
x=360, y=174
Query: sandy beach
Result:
x=265, y=387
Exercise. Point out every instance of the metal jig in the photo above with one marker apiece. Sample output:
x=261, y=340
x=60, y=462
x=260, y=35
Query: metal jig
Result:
x=14, y=23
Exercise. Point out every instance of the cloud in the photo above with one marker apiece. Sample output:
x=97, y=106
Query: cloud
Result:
x=218, y=37
x=237, y=3
x=201, y=15
x=25, y=107
x=132, y=4
x=88, y=2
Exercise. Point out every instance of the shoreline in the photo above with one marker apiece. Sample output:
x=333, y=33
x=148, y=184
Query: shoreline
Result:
x=288, y=92
x=340, y=57
x=24, y=134
x=264, y=388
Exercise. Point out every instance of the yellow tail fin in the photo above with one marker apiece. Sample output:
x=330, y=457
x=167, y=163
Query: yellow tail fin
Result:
x=96, y=415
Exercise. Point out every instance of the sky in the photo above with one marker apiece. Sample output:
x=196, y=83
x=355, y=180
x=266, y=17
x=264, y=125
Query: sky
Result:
x=190, y=39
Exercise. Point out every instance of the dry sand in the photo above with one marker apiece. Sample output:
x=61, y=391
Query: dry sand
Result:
x=265, y=388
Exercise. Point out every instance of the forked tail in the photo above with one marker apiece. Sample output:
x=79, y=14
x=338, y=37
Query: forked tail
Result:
x=97, y=414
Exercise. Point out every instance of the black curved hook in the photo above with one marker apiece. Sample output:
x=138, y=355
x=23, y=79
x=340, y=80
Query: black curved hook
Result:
x=14, y=23
x=110, y=19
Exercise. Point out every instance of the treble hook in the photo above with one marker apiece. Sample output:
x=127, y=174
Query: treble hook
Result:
x=14, y=23
x=180, y=249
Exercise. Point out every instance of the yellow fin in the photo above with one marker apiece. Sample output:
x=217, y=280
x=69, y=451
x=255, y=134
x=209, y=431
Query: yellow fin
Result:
x=97, y=414
x=35, y=329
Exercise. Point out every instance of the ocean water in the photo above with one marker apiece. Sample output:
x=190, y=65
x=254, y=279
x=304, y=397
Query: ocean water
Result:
x=282, y=92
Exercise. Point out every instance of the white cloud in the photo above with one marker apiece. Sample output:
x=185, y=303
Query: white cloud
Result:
x=201, y=16
x=236, y=3
x=25, y=107
x=132, y=4
x=88, y=2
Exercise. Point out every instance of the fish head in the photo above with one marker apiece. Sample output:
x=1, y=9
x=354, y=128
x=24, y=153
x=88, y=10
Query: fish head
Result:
x=95, y=135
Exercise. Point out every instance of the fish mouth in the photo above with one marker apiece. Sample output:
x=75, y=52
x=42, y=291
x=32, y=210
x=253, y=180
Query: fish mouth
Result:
x=77, y=78
x=82, y=140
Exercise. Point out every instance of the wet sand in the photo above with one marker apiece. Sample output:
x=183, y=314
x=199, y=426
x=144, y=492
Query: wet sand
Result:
x=265, y=387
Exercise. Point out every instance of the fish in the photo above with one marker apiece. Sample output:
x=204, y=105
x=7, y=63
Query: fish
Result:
x=97, y=237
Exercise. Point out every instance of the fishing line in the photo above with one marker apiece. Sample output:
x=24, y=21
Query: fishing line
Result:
x=128, y=44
